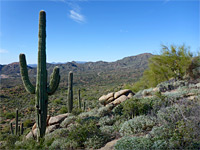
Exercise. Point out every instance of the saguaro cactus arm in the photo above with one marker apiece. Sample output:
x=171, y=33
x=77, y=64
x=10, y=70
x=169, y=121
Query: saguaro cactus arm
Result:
x=54, y=81
x=24, y=74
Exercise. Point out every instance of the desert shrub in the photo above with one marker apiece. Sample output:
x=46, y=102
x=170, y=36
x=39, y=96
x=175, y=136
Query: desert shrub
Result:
x=10, y=115
x=137, y=125
x=179, y=125
x=171, y=63
x=29, y=144
x=63, y=110
x=119, y=121
x=95, y=119
x=93, y=112
x=117, y=110
x=134, y=107
x=62, y=132
x=107, y=129
x=77, y=111
x=160, y=144
x=103, y=111
x=133, y=143
x=106, y=120
x=161, y=133
x=95, y=141
x=28, y=123
x=5, y=129
x=10, y=141
x=83, y=131
x=63, y=143
x=57, y=101
x=193, y=71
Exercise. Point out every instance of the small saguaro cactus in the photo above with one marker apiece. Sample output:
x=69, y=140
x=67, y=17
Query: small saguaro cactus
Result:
x=79, y=98
x=11, y=128
x=16, y=122
x=42, y=89
x=18, y=128
x=70, y=92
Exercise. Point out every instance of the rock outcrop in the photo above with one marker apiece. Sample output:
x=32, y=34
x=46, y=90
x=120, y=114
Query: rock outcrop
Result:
x=116, y=98
x=53, y=123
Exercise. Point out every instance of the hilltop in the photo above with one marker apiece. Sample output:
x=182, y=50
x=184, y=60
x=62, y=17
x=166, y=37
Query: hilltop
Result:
x=125, y=70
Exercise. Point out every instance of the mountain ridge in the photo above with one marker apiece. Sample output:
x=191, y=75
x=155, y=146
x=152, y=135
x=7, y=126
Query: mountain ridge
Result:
x=124, y=70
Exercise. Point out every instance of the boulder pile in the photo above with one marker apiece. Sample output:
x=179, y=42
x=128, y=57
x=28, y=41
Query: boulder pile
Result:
x=116, y=98
x=52, y=124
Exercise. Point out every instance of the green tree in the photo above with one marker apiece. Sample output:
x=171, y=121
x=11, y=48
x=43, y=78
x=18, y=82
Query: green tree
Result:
x=171, y=63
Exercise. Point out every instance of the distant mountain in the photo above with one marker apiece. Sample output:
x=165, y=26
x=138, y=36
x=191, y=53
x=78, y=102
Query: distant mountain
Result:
x=123, y=71
x=12, y=69
x=80, y=62
x=55, y=63
x=32, y=65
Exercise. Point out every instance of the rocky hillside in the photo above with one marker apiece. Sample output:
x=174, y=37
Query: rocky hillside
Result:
x=124, y=70
x=150, y=119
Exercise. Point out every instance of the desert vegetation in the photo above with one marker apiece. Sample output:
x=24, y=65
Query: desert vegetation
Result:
x=159, y=111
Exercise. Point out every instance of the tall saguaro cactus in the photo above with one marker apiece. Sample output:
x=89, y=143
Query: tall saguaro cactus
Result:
x=42, y=90
x=70, y=92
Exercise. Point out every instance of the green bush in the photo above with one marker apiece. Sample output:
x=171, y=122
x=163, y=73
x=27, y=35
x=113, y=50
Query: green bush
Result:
x=117, y=110
x=106, y=120
x=103, y=111
x=96, y=141
x=137, y=125
x=10, y=115
x=57, y=101
x=171, y=63
x=28, y=123
x=134, y=107
x=62, y=132
x=63, y=143
x=77, y=111
x=107, y=129
x=63, y=110
x=81, y=132
x=119, y=121
x=30, y=144
x=179, y=125
x=160, y=144
x=134, y=143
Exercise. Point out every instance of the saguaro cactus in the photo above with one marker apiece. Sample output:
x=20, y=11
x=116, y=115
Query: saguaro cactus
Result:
x=42, y=90
x=16, y=122
x=79, y=98
x=11, y=128
x=84, y=103
x=70, y=92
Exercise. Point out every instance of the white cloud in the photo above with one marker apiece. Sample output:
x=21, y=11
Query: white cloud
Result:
x=75, y=10
x=2, y=51
x=76, y=16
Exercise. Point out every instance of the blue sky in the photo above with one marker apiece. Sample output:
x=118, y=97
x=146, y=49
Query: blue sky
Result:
x=91, y=30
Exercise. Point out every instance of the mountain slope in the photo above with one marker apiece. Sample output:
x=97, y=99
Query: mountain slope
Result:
x=124, y=70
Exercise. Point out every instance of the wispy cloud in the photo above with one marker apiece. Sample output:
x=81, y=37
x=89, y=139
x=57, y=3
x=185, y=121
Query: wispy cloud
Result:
x=75, y=10
x=3, y=51
x=76, y=16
